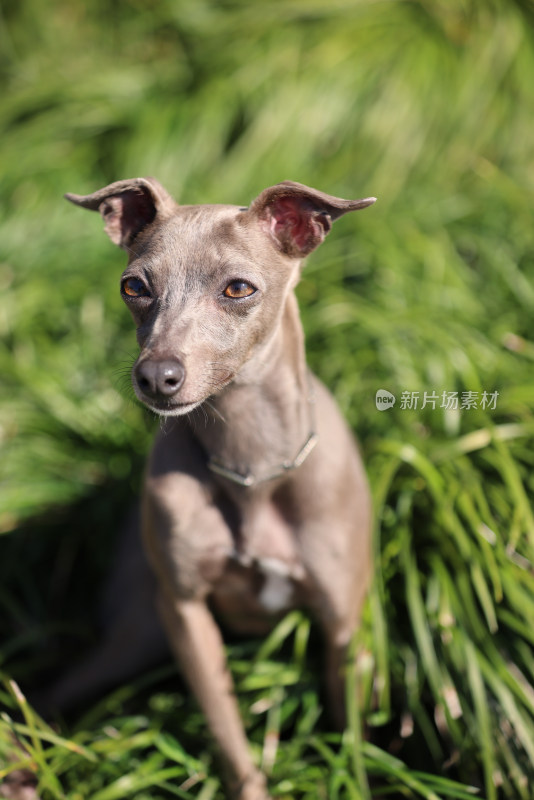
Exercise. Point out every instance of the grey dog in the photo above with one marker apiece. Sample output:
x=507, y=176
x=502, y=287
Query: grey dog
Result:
x=265, y=507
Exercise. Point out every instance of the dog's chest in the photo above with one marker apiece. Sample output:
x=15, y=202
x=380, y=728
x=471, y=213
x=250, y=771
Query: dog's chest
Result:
x=263, y=574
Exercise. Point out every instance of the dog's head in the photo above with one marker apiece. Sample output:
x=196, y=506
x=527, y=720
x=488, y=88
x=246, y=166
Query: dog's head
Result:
x=207, y=285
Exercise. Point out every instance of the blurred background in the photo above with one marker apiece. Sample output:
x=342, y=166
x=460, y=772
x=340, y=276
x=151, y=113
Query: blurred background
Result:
x=427, y=104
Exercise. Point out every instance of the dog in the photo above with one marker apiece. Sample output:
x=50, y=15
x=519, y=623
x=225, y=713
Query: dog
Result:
x=255, y=498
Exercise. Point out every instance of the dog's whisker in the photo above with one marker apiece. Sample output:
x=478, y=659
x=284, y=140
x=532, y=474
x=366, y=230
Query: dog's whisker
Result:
x=130, y=250
x=215, y=411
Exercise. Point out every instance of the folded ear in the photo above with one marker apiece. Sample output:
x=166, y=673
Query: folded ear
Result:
x=127, y=206
x=298, y=218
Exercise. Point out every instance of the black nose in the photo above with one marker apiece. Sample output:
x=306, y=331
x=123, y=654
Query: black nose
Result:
x=159, y=379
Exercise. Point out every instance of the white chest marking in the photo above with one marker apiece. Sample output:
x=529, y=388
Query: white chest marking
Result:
x=277, y=591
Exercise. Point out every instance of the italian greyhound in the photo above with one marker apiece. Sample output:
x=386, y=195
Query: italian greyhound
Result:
x=255, y=498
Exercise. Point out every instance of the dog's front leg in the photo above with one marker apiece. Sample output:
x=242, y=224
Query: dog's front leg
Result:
x=196, y=641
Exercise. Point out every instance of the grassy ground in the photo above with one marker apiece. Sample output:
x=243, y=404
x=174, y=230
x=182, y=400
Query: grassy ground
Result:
x=427, y=105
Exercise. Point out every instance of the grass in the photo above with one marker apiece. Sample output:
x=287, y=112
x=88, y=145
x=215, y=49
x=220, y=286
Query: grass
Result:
x=427, y=105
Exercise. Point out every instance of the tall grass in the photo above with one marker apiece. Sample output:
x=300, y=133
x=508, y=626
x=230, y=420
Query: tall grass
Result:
x=427, y=105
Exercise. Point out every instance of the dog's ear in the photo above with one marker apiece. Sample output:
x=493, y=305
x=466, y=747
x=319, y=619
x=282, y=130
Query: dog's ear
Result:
x=127, y=206
x=297, y=218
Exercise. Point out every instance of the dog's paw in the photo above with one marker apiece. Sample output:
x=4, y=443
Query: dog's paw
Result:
x=20, y=784
x=254, y=787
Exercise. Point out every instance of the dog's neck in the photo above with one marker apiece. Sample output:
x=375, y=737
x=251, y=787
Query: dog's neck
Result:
x=263, y=422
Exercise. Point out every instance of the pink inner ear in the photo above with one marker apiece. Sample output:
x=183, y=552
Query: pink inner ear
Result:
x=297, y=225
x=126, y=214
x=111, y=210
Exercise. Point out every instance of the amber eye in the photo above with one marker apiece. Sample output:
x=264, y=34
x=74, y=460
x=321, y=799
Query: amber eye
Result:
x=133, y=287
x=238, y=289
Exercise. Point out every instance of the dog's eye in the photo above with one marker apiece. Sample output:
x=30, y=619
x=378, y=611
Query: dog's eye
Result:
x=133, y=287
x=237, y=289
